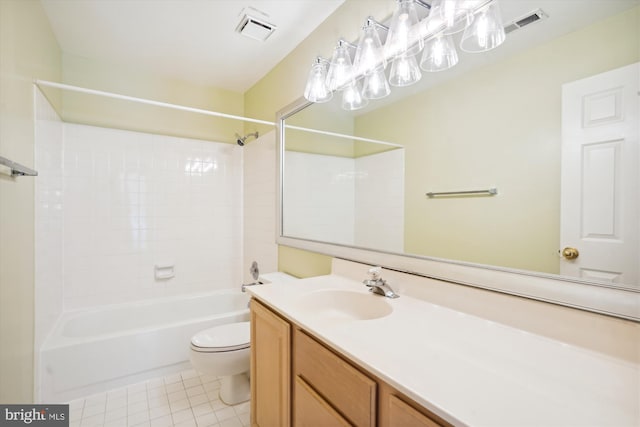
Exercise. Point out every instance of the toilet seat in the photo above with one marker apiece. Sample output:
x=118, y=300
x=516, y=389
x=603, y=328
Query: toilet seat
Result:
x=229, y=337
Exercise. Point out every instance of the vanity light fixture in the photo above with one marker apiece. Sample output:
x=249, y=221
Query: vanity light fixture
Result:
x=401, y=40
x=485, y=32
x=365, y=77
x=456, y=15
x=341, y=76
x=404, y=71
x=439, y=54
x=352, y=98
x=340, y=68
x=370, y=56
x=317, y=89
x=376, y=85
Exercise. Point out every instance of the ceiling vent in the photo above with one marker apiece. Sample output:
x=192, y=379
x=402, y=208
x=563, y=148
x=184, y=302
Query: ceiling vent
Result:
x=523, y=21
x=255, y=28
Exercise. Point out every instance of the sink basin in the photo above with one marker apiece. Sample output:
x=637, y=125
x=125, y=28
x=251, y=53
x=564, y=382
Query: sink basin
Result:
x=337, y=304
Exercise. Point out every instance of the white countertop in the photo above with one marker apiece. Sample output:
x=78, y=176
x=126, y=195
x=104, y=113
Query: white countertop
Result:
x=469, y=370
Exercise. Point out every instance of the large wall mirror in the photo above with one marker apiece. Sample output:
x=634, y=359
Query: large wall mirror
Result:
x=495, y=121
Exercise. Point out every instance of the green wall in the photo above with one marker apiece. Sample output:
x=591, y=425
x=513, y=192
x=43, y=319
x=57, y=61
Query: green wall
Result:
x=135, y=82
x=28, y=50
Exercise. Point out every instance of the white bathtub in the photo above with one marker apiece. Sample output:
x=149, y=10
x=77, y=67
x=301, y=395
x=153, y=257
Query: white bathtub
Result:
x=94, y=350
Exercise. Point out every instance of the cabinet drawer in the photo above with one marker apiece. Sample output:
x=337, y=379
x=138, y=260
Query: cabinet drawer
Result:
x=311, y=410
x=347, y=389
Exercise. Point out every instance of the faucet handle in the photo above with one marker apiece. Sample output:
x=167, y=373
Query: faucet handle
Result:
x=375, y=272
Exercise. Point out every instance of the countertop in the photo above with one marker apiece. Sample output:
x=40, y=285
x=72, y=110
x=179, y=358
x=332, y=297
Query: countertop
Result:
x=466, y=369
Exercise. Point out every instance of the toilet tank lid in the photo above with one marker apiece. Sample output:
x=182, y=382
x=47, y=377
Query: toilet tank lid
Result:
x=224, y=336
x=276, y=276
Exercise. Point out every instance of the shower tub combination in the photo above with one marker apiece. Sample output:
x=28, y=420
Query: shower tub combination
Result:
x=95, y=350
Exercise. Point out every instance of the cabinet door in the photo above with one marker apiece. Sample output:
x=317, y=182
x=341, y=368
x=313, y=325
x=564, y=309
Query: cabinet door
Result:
x=403, y=415
x=311, y=410
x=270, y=368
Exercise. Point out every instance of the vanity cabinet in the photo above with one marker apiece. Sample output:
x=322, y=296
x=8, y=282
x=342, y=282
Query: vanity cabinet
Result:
x=270, y=368
x=298, y=380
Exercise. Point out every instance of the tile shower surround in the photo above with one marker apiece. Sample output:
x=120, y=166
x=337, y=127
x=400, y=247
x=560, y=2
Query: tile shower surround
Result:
x=131, y=201
x=259, y=205
x=344, y=200
x=111, y=204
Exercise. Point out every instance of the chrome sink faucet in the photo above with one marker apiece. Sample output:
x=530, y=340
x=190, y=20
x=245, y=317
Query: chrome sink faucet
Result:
x=378, y=285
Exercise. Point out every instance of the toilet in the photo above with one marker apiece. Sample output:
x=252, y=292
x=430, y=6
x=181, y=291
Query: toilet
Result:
x=224, y=351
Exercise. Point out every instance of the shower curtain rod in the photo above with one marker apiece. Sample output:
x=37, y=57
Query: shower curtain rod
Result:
x=63, y=86
x=149, y=102
x=341, y=135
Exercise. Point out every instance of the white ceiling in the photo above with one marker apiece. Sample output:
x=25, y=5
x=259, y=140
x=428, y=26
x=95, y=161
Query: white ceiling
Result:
x=193, y=40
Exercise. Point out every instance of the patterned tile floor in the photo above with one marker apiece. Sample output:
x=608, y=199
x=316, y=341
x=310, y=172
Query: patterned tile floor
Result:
x=179, y=400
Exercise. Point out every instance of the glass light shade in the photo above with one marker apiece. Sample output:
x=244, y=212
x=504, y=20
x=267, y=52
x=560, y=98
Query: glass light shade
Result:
x=404, y=36
x=369, y=57
x=430, y=26
x=404, y=71
x=486, y=32
x=316, y=89
x=439, y=54
x=376, y=85
x=455, y=15
x=352, y=98
x=340, y=69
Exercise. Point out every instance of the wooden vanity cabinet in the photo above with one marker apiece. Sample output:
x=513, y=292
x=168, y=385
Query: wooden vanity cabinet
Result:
x=297, y=380
x=270, y=368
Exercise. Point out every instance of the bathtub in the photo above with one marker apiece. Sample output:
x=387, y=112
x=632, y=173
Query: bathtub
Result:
x=90, y=351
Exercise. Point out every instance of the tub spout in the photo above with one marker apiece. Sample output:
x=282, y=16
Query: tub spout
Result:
x=244, y=286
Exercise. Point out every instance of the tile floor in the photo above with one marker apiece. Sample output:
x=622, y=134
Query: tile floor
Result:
x=184, y=399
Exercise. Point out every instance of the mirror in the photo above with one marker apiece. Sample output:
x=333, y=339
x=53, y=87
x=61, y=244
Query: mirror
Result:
x=493, y=121
x=343, y=192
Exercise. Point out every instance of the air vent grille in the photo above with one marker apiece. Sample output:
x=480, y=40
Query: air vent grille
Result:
x=529, y=18
x=255, y=28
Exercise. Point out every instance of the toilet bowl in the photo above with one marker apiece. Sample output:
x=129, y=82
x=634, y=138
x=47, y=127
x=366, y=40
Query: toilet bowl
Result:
x=224, y=351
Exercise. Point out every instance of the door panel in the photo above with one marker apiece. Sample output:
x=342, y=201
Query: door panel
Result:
x=600, y=179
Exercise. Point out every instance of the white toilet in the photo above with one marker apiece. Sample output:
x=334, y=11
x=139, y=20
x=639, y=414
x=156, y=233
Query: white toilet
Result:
x=224, y=351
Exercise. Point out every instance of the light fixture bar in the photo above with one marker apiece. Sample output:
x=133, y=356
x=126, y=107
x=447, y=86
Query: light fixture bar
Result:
x=342, y=42
x=372, y=21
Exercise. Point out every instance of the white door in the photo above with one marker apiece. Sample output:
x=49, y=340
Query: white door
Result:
x=600, y=179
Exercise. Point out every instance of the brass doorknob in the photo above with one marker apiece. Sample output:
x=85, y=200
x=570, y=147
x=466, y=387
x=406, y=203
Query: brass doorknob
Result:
x=570, y=253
